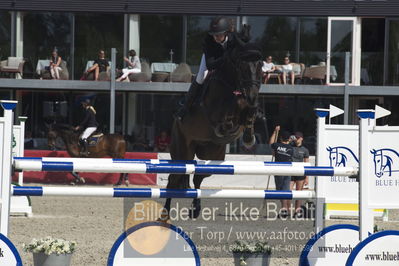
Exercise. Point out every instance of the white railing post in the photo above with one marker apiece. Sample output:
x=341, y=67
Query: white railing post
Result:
x=319, y=187
x=6, y=154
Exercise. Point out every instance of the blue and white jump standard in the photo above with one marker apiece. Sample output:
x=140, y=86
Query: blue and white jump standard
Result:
x=6, y=128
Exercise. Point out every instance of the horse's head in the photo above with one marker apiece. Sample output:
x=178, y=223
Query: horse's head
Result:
x=241, y=79
x=246, y=59
x=55, y=131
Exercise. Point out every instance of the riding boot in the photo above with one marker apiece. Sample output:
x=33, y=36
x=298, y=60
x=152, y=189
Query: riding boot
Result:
x=191, y=95
x=84, y=147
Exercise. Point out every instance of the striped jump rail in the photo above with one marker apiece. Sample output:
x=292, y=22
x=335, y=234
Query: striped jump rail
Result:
x=159, y=161
x=123, y=166
x=160, y=193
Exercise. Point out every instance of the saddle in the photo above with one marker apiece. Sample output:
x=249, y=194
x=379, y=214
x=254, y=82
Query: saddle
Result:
x=95, y=138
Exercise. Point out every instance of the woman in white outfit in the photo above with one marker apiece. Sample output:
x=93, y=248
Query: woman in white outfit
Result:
x=133, y=65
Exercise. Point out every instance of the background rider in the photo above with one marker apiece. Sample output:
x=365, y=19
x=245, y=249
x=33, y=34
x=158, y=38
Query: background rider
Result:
x=88, y=125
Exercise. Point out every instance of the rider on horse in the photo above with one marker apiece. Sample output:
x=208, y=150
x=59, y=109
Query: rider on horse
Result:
x=220, y=38
x=89, y=124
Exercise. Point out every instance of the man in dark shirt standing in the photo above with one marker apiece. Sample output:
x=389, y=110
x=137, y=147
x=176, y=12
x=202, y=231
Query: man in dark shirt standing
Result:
x=282, y=152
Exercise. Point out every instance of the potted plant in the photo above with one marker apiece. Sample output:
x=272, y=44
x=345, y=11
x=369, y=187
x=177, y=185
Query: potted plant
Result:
x=251, y=254
x=50, y=251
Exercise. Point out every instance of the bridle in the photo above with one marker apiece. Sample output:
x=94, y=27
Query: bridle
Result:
x=240, y=85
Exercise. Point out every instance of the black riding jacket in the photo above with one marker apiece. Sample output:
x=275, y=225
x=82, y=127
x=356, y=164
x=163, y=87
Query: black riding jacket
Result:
x=214, y=51
x=89, y=119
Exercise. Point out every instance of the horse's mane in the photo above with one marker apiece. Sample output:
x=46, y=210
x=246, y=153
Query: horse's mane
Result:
x=250, y=52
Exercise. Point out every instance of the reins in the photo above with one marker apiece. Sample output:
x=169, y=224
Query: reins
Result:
x=241, y=84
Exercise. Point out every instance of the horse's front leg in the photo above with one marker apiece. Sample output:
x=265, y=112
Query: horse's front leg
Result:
x=165, y=214
x=249, y=136
x=196, y=204
x=175, y=181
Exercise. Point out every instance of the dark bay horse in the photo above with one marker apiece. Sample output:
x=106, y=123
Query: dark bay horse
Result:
x=112, y=145
x=227, y=111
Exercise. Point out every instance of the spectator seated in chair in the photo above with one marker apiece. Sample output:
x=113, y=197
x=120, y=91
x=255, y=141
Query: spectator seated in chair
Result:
x=100, y=66
x=134, y=65
x=57, y=68
x=268, y=69
x=287, y=71
x=55, y=63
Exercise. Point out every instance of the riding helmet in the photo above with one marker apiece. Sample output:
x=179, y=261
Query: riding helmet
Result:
x=87, y=101
x=219, y=25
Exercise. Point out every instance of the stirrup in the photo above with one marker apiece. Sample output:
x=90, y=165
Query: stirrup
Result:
x=180, y=114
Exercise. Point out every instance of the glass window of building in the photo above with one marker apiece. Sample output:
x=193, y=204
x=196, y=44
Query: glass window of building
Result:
x=197, y=28
x=159, y=35
x=95, y=32
x=5, y=35
x=313, y=41
x=42, y=33
x=393, y=53
x=391, y=103
x=372, y=61
x=341, y=42
x=143, y=123
x=275, y=35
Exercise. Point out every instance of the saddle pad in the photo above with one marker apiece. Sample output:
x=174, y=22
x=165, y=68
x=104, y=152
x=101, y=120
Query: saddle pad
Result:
x=94, y=139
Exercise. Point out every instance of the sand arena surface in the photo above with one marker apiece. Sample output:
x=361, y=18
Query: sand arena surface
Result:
x=95, y=223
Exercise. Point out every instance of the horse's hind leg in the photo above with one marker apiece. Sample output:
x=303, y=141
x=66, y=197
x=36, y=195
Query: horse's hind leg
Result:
x=117, y=150
x=179, y=150
x=124, y=177
x=209, y=152
x=78, y=179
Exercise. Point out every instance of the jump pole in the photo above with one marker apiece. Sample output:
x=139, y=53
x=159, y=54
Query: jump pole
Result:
x=111, y=166
x=156, y=193
x=161, y=161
